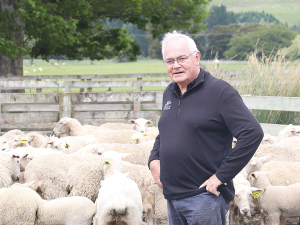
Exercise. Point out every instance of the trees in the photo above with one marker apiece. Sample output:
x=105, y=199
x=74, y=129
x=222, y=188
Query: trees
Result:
x=265, y=39
x=219, y=38
x=77, y=28
x=219, y=16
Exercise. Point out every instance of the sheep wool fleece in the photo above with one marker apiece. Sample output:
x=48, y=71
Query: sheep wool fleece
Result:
x=195, y=137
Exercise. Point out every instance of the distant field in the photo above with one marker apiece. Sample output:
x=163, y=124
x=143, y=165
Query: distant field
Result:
x=283, y=10
x=107, y=67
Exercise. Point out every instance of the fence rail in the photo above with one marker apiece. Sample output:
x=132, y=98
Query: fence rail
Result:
x=41, y=111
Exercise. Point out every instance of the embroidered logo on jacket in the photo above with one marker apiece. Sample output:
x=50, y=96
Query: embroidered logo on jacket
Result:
x=168, y=105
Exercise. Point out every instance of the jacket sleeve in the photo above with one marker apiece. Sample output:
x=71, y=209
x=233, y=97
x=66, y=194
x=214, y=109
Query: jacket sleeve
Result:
x=244, y=127
x=155, y=150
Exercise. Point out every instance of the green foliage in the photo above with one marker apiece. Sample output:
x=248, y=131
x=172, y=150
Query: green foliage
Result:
x=219, y=38
x=266, y=39
x=263, y=18
x=76, y=28
x=293, y=52
x=219, y=16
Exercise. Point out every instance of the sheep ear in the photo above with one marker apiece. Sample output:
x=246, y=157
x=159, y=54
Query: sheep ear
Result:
x=264, y=159
x=30, y=139
x=28, y=184
x=124, y=155
x=67, y=145
x=252, y=162
x=253, y=175
x=256, y=189
x=149, y=122
x=131, y=121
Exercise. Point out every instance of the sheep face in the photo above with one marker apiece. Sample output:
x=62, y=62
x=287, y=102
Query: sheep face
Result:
x=15, y=168
x=15, y=142
x=141, y=124
x=61, y=127
x=243, y=198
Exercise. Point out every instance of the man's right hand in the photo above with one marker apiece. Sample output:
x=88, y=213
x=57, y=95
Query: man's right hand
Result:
x=155, y=170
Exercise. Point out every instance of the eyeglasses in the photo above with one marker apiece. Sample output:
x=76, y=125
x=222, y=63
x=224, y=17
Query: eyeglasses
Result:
x=180, y=60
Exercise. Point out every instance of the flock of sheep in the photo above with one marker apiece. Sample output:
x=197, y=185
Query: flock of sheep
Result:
x=99, y=175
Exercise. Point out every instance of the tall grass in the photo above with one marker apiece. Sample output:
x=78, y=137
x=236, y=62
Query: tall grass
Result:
x=270, y=75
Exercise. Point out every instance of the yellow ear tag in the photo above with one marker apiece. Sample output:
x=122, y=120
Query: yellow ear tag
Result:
x=144, y=134
x=107, y=161
x=133, y=140
x=23, y=140
x=255, y=194
x=67, y=146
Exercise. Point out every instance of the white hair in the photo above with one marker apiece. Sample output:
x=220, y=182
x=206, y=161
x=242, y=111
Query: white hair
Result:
x=177, y=34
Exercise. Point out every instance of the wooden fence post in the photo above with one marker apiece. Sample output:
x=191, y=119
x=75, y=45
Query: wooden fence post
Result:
x=82, y=89
x=138, y=85
x=38, y=90
x=137, y=106
x=65, y=105
x=89, y=89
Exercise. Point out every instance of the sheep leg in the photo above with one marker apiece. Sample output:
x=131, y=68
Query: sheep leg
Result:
x=282, y=219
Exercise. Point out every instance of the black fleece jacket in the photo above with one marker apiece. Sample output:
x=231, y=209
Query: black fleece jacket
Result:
x=195, y=137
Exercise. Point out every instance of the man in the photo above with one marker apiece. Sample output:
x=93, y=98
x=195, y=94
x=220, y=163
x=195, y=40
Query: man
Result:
x=192, y=158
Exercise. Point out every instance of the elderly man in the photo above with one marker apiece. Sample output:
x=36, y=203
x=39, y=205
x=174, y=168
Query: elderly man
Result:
x=192, y=158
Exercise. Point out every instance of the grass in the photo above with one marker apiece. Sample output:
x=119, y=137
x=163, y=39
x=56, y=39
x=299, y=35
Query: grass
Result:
x=109, y=67
x=286, y=11
x=271, y=75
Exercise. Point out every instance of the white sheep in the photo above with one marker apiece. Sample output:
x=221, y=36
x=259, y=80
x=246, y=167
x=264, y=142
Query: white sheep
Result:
x=279, y=152
x=290, y=141
x=34, y=70
x=285, y=173
x=142, y=176
x=18, y=205
x=50, y=172
x=269, y=139
x=26, y=72
x=289, y=131
x=242, y=205
x=139, y=154
x=14, y=142
x=72, y=127
x=95, y=149
x=8, y=135
x=83, y=179
x=68, y=211
x=277, y=202
x=145, y=138
x=119, y=198
x=141, y=124
x=72, y=144
x=37, y=140
x=9, y=169
x=26, y=154
x=40, y=69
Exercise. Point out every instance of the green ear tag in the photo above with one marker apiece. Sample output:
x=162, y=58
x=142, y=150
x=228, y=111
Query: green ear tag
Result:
x=255, y=194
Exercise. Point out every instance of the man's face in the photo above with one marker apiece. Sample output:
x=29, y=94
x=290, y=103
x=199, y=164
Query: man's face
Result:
x=186, y=72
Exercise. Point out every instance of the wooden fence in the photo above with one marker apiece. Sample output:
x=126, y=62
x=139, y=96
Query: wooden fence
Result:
x=41, y=111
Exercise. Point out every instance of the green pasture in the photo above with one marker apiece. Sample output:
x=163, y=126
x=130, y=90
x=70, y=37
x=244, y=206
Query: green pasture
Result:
x=109, y=67
x=286, y=11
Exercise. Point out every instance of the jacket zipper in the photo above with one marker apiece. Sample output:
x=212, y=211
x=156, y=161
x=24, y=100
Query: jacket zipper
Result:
x=180, y=99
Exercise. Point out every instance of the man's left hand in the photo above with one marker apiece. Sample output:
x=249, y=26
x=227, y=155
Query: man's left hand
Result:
x=212, y=184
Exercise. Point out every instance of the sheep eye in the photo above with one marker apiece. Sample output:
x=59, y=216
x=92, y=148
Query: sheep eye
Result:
x=56, y=147
x=237, y=196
